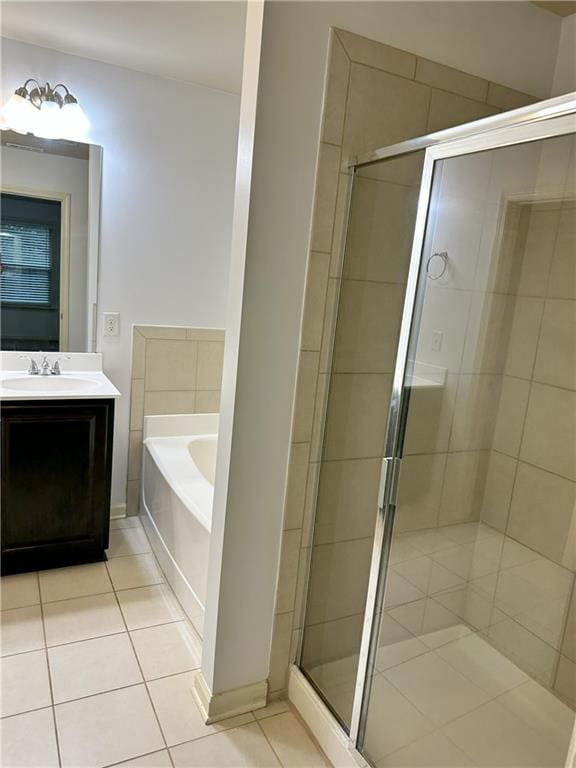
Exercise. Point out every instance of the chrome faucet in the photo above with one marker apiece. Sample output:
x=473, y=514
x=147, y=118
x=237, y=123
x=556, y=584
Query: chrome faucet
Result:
x=56, y=364
x=45, y=368
x=33, y=367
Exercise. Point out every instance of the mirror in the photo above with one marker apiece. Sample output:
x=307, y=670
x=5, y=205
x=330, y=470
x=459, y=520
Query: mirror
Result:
x=49, y=241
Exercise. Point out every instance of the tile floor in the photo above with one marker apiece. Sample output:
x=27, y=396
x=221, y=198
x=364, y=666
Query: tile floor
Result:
x=96, y=670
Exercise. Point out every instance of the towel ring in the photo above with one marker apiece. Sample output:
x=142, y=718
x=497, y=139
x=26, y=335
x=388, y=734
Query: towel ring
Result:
x=443, y=256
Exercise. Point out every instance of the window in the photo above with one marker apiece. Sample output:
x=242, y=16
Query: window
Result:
x=25, y=263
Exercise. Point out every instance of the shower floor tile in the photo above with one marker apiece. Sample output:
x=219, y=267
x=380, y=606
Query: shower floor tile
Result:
x=113, y=687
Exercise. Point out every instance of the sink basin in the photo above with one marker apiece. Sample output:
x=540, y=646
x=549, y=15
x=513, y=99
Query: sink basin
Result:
x=49, y=384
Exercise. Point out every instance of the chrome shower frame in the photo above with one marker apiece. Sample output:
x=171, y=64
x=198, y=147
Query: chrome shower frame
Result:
x=546, y=119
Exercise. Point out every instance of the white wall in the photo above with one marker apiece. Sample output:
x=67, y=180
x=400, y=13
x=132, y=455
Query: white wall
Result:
x=511, y=43
x=565, y=72
x=22, y=169
x=167, y=195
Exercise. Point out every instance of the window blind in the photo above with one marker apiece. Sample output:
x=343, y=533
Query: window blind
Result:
x=26, y=263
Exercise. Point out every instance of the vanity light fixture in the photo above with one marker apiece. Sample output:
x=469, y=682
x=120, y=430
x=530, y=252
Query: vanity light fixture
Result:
x=44, y=111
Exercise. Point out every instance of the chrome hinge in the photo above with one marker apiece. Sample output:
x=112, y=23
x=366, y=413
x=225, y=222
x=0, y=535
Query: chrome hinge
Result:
x=389, y=478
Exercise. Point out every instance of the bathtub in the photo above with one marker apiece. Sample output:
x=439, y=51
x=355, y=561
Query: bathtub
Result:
x=178, y=466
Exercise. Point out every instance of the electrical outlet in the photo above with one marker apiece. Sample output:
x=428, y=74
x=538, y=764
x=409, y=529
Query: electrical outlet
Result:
x=437, y=339
x=111, y=324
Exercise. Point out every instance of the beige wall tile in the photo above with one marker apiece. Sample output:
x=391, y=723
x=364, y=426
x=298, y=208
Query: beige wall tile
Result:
x=336, y=92
x=210, y=363
x=280, y=653
x=540, y=228
x=340, y=224
x=549, y=439
x=523, y=340
x=137, y=404
x=301, y=581
x=135, y=455
x=156, y=403
x=347, y=500
x=356, y=416
x=138, y=354
x=569, y=644
x=133, y=497
x=381, y=229
x=310, y=503
x=562, y=282
x=315, y=300
x=449, y=79
x=162, y=332
x=319, y=422
x=171, y=364
x=448, y=109
x=329, y=327
x=487, y=333
x=205, y=334
x=446, y=309
x=420, y=491
x=325, y=202
x=507, y=98
x=333, y=640
x=207, y=401
x=565, y=683
x=430, y=418
x=475, y=412
x=305, y=397
x=464, y=481
x=296, y=488
x=368, y=126
x=556, y=356
x=541, y=511
x=511, y=412
x=375, y=54
x=498, y=490
x=289, y=555
x=368, y=327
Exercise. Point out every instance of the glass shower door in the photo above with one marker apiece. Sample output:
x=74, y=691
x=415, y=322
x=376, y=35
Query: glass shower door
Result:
x=472, y=654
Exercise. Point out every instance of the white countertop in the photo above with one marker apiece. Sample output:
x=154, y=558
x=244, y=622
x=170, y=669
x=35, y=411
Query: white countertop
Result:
x=81, y=378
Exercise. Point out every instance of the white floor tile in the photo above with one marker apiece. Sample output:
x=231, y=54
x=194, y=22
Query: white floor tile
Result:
x=542, y=711
x=395, y=653
x=291, y=743
x=75, y=581
x=147, y=606
x=424, y=616
x=128, y=541
x=443, y=636
x=134, y=571
x=19, y=590
x=82, y=618
x=244, y=747
x=393, y=722
x=29, y=741
x=24, y=683
x=427, y=575
x=471, y=607
x=178, y=713
x=155, y=760
x=107, y=728
x=21, y=630
x=133, y=521
x=483, y=665
x=167, y=649
x=433, y=751
x=494, y=736
x=435, y=688
x=93, y=666
x=274, y=708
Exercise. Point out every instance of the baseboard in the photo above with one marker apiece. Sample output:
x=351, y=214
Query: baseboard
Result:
x=237, y=701
x=323, y=725
x=117, y=511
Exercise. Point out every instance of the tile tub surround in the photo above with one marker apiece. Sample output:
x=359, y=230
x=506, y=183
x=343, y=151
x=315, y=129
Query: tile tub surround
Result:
x=97, y=669
x=174, y=370
x=425, y=96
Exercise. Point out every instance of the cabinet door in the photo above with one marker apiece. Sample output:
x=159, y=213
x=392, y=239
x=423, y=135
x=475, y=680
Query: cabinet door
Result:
x=56, y=462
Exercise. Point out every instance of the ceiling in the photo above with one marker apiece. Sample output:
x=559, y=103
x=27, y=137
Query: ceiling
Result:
x=198, y=42
x=559, y=7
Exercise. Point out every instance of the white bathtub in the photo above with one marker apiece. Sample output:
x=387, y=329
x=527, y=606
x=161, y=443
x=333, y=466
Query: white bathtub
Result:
x=179, y=463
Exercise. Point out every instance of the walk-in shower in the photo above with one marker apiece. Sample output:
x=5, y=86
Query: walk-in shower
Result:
x=440, y=618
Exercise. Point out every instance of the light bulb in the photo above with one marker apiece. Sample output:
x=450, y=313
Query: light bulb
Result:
x=18, y=114
x=49, y=123
x=74, y=121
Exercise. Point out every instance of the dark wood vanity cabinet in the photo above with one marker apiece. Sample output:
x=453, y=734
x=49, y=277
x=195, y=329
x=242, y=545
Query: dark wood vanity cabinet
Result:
x=56, y=479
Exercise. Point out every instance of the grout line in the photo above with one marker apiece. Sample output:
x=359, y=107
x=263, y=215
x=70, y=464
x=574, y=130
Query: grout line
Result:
x=50, y=683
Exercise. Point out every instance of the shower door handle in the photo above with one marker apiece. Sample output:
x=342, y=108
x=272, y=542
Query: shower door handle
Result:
x=389, y=478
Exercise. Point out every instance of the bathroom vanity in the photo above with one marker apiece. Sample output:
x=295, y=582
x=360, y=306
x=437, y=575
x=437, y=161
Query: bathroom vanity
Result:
x=56, y=445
